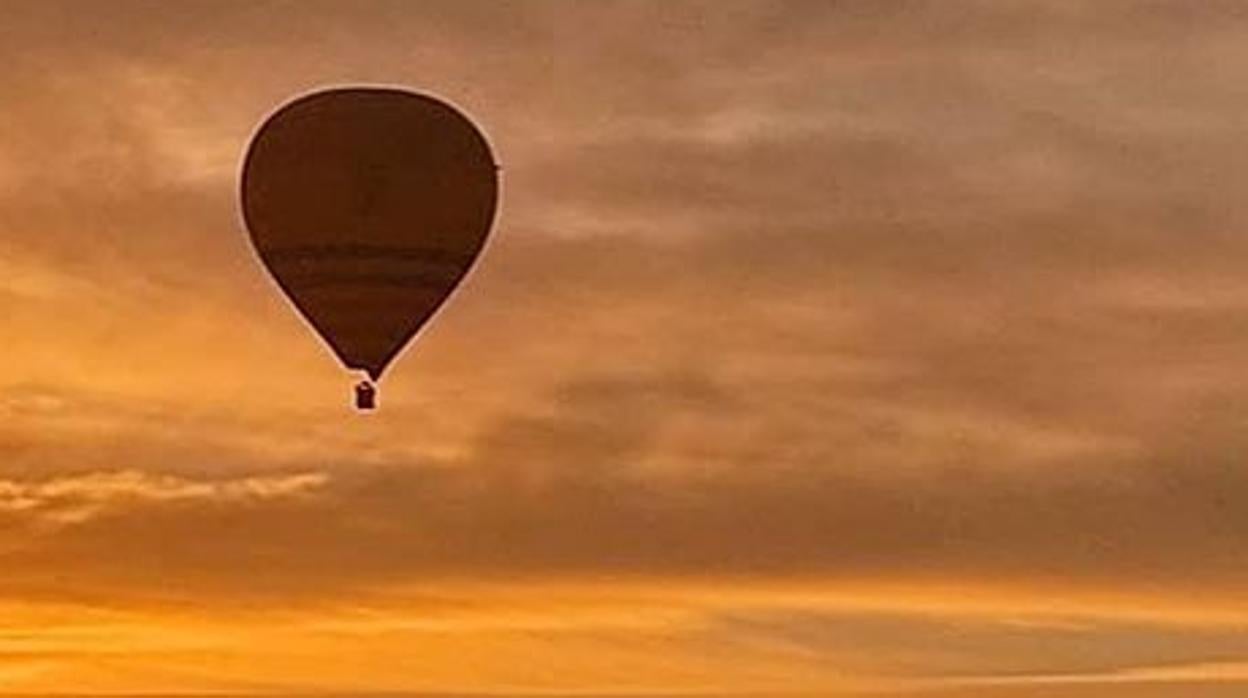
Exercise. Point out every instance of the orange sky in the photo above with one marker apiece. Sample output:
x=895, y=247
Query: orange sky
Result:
x=888, y=348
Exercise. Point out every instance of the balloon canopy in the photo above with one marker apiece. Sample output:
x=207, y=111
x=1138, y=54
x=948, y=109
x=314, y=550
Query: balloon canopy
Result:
x=368, y=206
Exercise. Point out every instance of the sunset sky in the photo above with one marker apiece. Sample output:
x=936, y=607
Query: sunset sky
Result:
x=838, y=348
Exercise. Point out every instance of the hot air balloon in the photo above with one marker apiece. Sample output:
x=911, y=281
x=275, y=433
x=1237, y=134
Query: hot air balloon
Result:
x=368, y=206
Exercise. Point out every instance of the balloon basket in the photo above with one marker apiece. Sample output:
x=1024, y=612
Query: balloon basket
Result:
x=365, y=396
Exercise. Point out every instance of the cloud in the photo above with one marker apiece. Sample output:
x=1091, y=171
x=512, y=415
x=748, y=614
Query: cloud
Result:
x=72, y=500
x=673, y=476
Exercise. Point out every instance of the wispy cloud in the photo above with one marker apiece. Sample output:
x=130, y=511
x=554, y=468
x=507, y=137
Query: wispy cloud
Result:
x=78, y=498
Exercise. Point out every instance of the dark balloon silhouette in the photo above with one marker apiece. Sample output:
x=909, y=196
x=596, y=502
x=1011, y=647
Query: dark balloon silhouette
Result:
x=368, y=206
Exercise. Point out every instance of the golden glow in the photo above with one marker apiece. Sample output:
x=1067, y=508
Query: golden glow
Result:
x=821, y=348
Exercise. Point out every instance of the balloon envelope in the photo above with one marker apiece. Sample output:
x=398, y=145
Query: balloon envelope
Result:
x=368, y=206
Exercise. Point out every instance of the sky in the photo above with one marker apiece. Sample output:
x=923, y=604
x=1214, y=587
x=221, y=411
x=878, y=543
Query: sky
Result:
x=888, y=348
